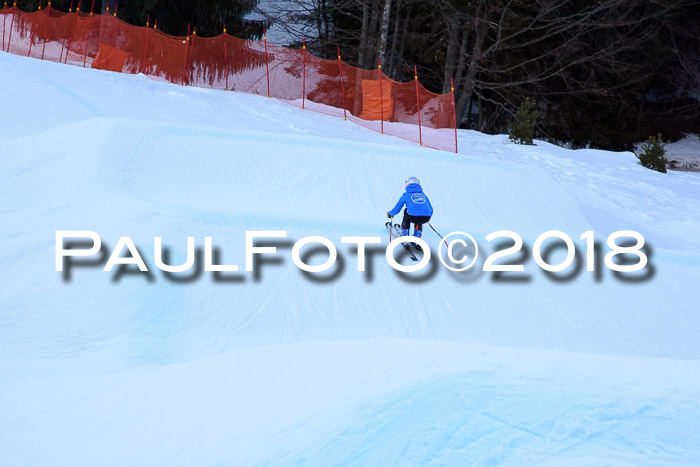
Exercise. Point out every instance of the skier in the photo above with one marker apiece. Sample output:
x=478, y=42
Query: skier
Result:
x=418, y=209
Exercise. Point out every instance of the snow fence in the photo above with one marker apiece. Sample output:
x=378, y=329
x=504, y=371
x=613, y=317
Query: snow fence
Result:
x=365, y=97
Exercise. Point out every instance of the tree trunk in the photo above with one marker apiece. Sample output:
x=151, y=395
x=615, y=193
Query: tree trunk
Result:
x=363, y=36
x=462, y=62
x=370, y=55
x=318, y=13
x=404, y=35
x=480, y=125
x=397, y=37
x=384, y=32
x=468, y=86
x=469, y=112
x=642, y=102
x=450, y=54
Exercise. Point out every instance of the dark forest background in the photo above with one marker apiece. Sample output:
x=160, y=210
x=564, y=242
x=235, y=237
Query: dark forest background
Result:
x=603, y=74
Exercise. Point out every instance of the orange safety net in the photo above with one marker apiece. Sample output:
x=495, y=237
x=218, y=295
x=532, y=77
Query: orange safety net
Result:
x=376, y=100
x=110, y=58
x=366, y=97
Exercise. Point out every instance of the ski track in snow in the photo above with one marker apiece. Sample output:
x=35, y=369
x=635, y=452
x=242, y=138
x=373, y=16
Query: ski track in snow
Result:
x=361, y=370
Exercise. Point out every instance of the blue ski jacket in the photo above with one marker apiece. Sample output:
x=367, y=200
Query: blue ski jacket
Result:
x=417, y=204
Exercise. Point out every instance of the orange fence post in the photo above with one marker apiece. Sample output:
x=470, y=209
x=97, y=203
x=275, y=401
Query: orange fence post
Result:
x=145, y=43
x=31, y=36
x=72, y=29
x=381, y=94
x=454, y=110
x=420, y=131
x=3, y=26
x=87, y=34
x=87, y=39
x=12, y=26
x=342, y=86
x=267, y=65
x=225, y=59
x=111, y=32
x=46, y=31
x=188, y=71
x=103, y=30
x=303, y=86
x=63, y=43
x=114, y=24
x=187, y=51
x=150, y=49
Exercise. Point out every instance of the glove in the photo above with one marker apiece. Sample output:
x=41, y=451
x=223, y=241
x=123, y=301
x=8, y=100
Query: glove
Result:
x=389, y=215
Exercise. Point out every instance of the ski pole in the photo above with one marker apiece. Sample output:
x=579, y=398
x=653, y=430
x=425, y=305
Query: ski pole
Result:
x=443, y=238
x=391, y=227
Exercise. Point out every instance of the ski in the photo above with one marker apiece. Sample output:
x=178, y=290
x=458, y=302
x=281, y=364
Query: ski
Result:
x=415, y=249
x=397, y=230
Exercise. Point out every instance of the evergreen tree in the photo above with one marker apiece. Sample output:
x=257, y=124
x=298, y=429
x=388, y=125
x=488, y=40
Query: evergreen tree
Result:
x=652, y=154
x=523, y=126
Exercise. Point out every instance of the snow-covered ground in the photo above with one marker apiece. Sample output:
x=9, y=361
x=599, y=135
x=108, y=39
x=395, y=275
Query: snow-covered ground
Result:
x=684, y=154
x=366, y=368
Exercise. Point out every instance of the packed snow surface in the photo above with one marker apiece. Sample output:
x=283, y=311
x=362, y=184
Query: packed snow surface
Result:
x=279, y=367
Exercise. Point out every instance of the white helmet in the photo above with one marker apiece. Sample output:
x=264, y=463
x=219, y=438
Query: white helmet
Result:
x=410, y=180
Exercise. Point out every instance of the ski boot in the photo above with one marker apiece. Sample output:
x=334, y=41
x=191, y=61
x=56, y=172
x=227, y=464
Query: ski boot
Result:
x=417, y=233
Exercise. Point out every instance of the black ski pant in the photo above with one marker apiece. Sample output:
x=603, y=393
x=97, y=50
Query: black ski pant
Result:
x=417, y=220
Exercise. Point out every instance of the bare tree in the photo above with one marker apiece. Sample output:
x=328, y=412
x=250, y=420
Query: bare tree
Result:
x=384, y=31
x=552, y=47
x=498, y=52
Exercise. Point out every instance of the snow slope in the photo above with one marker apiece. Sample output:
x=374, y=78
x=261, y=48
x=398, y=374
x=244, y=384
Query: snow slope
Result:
x=108, y=368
